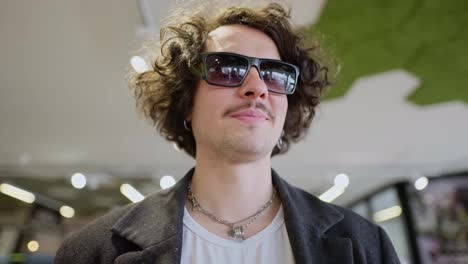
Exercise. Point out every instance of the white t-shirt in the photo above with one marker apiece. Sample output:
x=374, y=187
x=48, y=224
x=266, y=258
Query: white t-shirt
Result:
x=269, y=246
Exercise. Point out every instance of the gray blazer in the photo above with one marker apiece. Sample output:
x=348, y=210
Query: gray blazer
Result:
x=151, y=231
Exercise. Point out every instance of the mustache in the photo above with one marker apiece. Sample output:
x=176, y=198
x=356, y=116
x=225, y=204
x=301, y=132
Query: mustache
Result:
x=250, y=104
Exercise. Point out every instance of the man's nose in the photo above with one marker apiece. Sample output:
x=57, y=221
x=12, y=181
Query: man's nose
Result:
x=253, y=86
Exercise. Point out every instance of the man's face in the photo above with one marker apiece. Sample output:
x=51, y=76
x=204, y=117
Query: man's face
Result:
x=243, y=122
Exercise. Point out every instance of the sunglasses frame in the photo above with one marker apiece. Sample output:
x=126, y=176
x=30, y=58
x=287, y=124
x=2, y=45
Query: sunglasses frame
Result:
x=251, y=61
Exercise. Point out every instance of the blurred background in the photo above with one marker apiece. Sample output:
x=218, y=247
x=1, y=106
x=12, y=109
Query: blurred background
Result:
x=390, y=141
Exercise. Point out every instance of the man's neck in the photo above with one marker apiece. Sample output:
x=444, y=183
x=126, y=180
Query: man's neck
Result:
x=232, y=191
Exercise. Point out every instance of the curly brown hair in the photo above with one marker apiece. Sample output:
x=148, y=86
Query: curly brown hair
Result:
x=165, y=93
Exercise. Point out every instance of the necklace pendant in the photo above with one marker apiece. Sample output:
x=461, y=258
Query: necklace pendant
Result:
x=237, y=233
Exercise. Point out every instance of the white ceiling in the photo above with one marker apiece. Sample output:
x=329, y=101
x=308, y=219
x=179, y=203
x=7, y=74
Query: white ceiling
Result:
x=64, y=107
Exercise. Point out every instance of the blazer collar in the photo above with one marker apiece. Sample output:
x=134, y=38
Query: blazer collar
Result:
x=303, y=209
x=156, y=223
x=307, y=219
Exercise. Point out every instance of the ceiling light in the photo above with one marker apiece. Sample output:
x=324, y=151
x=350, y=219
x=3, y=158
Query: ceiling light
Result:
x=78, y=180
x=387, y=214
x=331, y=194
x=342, y=180
x=67, y=211
x=33, y=245
x=421, y=183
x=17, y=193
x=167, y=182
x=339, y=187
x=138, y=64
x=131, y=193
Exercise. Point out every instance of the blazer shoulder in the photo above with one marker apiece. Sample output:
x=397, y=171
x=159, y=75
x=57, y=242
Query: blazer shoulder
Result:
x=356, y=224
x=94, y=241
x=350, y=221
x=369, y=240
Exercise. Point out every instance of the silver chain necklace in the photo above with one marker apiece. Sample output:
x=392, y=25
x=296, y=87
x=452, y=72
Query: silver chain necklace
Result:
x=236, y=231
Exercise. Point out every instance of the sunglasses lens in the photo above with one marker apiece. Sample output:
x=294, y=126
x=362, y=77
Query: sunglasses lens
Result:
x=279, y=77
x=225, y=70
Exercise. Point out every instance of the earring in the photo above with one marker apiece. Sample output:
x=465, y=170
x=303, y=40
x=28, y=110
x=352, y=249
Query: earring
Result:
x=279, y=144
x=186, y=126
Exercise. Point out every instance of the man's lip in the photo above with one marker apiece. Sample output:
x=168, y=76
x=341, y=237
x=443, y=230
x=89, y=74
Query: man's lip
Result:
x=252, y=113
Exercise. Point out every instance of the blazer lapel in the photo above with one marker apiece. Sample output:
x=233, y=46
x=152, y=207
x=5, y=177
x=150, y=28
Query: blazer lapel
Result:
x=307, y=219
x=156, y=226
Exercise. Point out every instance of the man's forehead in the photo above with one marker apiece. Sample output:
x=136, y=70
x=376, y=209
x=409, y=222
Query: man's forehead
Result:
x=237, y=38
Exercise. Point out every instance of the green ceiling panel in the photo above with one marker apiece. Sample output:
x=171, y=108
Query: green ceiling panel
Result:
x=428, y=38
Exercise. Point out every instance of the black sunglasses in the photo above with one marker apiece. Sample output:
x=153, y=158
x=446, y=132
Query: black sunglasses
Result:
x=230, y=69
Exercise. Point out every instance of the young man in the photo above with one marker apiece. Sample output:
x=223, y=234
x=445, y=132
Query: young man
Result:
x=232, y=91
